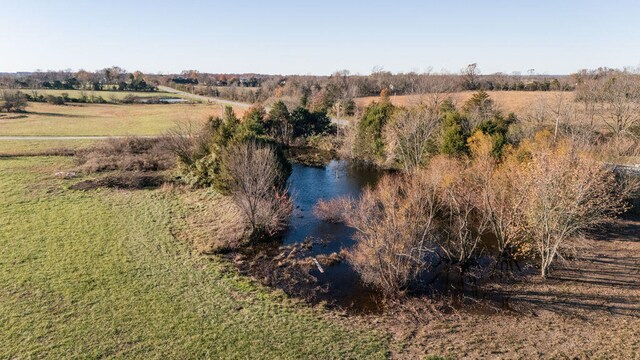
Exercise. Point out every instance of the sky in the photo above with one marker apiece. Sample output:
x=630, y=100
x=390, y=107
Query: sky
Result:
x=319, y=37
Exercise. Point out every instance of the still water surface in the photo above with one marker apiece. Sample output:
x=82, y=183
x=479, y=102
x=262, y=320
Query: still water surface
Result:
x=310, y=184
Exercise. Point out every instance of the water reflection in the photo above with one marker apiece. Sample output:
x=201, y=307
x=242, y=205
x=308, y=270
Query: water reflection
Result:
x=308, y=185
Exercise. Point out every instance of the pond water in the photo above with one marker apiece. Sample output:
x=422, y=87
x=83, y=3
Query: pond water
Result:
x=310, y=184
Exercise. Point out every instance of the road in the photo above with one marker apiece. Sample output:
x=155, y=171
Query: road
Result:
x=204, y=98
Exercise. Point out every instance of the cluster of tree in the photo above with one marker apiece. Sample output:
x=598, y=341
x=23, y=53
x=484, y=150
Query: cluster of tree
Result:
x=332, y=94
x=243, y=158
x=401, y=137
x=13, y=101
x=346, y=85
x=526, y=206
x=237, y=159
x=136, y=83
x=195, y=77
x=476, y=184
x=182, y=80
x=113, y=78
x=610, y=95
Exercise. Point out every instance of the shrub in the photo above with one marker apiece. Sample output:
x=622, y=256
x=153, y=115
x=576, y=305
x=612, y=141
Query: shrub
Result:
x=54, y=100
x=305, y=123
x=200, y=154
x=257, y=186
x=396, y=228
x=13, y=101
x=460, y=196
x=454, y=135
x=334, y=210
x=127, y=154
x=369, y=142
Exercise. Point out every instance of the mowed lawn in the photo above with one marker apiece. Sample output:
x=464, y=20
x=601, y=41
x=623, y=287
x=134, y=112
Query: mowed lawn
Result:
x=26, y=147
x=98, y=274
x=102, y=119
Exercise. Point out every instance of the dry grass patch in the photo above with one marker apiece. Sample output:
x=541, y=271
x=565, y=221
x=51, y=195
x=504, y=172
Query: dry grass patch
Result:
x=127, y=154
x=213, y=222
x=103, y=119
x=518, y=102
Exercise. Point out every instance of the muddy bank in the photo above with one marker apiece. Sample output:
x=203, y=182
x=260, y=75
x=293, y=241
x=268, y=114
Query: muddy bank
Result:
x=128, y=182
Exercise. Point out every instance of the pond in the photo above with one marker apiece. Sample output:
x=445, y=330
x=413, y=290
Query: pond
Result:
x=308, y=185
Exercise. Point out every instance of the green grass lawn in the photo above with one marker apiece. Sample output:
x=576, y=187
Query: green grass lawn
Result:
x=101, y=119
x=23, y=147
x=99, y=274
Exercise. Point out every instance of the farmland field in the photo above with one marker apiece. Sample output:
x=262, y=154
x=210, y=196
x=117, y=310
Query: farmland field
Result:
x=102, y=119
x=100, y=274
x=509, y=101
x=107, y=95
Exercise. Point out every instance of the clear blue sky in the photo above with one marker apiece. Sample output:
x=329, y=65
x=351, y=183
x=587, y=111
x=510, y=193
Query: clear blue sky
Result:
x=319, y=37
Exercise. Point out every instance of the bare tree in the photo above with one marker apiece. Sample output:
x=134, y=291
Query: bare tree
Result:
x=464, y=222
x=568, y=194
x=621, y=102
x=502, y=195
x=256, y=187
x=395, y=229
x=537, y=114
x=470, y=75
x=560, y=108
x=409, y=135
x=588, y=94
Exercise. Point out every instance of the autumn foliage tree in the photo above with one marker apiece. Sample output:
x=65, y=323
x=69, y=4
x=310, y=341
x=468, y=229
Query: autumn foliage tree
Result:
x=568, y=193
x=395, y=228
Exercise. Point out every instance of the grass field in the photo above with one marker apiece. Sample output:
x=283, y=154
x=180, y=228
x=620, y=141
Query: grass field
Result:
x=509, y=101
x=101, y=119
x=26, y=147
x=99, y=274
x=107, y=95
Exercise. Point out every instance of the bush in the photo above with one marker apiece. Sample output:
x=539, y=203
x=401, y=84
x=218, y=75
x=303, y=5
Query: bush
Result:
x=369, y=142
x=200, y=153
x=454, y=135
x=13, y=101
x=334, y=210
x=396, y=229
x=54, y=100
x=257, y=186
x=305, y=123
x=127, y=154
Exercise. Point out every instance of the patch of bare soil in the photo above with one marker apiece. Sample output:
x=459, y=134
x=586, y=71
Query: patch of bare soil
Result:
x=588, y=308
x=127, y=181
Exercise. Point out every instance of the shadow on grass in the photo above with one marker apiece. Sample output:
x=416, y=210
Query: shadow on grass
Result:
x=56, y=114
